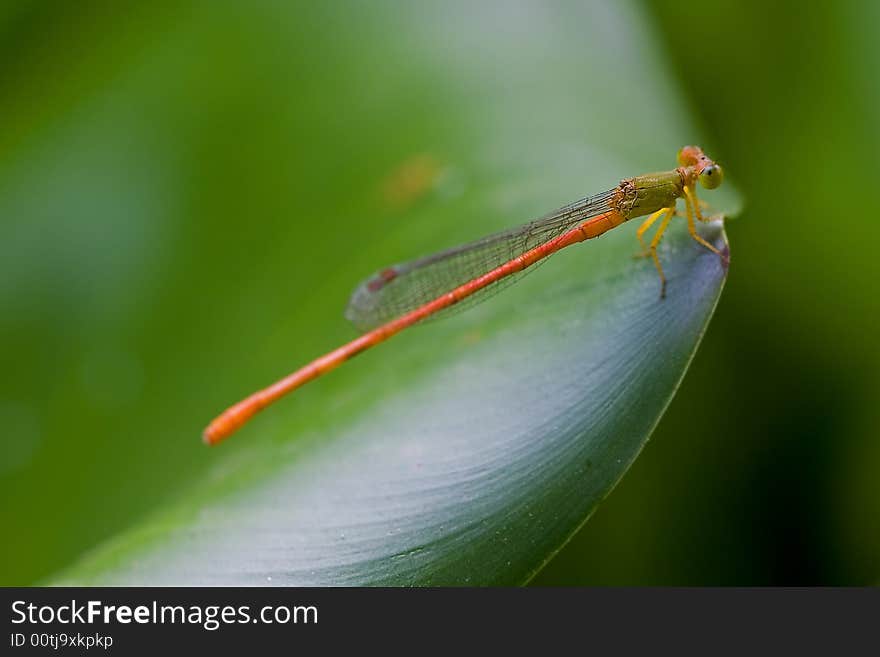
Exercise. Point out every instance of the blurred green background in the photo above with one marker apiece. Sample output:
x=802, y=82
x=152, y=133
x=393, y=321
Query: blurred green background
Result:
x=151, y=154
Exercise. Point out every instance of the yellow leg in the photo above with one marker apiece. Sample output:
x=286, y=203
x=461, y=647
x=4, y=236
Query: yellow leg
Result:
x=690, y=194
x=646, y=224
x=693, y=208
x=653, y=248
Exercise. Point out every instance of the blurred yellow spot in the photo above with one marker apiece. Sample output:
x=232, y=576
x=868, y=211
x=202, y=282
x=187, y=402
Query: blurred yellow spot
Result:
x=410, y=181
x=471, y=337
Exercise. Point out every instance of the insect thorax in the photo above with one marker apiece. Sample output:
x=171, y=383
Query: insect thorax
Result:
x=636, y=197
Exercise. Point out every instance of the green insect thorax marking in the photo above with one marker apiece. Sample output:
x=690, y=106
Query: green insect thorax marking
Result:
x=643, y=195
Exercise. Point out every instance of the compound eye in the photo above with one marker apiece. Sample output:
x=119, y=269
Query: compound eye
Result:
x=711, y=176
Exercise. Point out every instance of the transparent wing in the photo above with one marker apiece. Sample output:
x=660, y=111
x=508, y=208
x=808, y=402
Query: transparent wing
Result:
x=400, y=288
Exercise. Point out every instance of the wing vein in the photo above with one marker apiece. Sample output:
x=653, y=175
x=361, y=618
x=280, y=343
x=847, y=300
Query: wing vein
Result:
x=403, y=287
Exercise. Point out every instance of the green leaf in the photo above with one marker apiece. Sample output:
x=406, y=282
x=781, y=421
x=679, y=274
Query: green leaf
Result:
x=468, y=450
x=477, y=474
